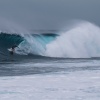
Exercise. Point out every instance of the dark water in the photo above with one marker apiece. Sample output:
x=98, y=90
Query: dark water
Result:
x=45, y=65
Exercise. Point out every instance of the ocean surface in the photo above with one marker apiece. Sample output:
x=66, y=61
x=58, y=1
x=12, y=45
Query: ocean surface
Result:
x=51, y=65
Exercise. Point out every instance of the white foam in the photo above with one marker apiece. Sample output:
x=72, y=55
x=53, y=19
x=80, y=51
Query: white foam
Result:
x=79, y=85
x=82, y=41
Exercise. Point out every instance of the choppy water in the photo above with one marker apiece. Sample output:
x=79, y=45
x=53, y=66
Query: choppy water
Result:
x=47, y=65
x=50, y=79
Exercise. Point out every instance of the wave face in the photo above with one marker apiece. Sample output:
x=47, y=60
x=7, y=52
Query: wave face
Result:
x=82, y=41
x=35, y=44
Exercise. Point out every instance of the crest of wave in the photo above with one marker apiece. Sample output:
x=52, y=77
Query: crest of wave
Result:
x=81, y=41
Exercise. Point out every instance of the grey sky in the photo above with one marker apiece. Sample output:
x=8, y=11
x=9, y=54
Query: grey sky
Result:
x=49, y=14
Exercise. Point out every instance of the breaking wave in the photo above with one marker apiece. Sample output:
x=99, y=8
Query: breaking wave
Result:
x=80, y=41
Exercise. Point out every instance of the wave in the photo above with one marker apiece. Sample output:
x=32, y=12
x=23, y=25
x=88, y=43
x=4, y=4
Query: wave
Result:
x=28, y=44
x=80, y=41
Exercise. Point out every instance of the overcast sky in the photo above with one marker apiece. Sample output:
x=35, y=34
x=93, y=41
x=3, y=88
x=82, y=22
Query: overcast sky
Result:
x=49, y=14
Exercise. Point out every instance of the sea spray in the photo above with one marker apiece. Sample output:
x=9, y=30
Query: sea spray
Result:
x=82, y=41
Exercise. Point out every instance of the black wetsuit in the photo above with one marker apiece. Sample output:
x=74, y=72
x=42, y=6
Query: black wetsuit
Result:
x=13, y=47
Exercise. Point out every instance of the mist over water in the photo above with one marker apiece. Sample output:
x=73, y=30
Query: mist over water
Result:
x=10, y=27
x=82, y=41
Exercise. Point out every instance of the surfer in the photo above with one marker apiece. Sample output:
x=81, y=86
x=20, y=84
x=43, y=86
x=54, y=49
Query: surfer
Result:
x=13, y=49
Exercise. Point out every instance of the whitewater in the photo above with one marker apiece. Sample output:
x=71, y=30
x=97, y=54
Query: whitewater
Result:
x=59, y=65
x=82, y=41
x=56, y=79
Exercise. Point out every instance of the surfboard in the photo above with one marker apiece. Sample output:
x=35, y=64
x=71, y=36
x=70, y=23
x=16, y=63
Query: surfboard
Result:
x=10, y=49
x=17, y=51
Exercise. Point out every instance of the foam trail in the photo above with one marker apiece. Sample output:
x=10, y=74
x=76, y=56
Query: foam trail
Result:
x=82, y=41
